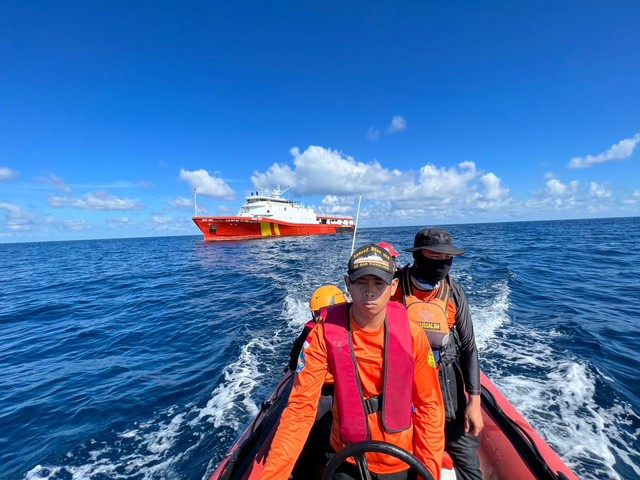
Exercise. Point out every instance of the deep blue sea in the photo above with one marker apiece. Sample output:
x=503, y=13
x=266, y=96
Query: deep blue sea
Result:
x=146, y=358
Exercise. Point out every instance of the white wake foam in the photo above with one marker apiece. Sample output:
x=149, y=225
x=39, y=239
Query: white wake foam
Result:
x=146, y=450
x=558, y=398
x=489, y=314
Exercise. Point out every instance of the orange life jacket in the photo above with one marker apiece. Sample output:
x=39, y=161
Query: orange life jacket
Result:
x=430, y=314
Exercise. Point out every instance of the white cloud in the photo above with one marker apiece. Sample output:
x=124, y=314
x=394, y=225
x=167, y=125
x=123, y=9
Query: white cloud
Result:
x=6, y=173
x=334, y=205
x=620, y=151
x=321, y=171
x=206, y=184
x=566, y=200
x=95, y=201
x=19, y=221
x=181, y=202
x=166, y=224
x=121, y=221
x=632, y=199
x=373, y=133
x=598, y=191
x=16, y=219
x=56, y=182
x=444, y=182
x=162, y=221
x=492, y=187
x=556, y=188
x=276, y=176
x=397, y=124
x=75, y=225
x=435, y=192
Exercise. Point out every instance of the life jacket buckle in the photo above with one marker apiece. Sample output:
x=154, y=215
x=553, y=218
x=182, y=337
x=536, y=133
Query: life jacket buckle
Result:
x=373, y=404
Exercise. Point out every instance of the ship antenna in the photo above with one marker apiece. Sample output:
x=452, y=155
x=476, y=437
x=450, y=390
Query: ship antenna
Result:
x=355, y=227
x=195, y=204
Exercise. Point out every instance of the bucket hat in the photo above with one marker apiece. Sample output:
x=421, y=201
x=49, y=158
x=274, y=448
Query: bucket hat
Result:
x=434, y=239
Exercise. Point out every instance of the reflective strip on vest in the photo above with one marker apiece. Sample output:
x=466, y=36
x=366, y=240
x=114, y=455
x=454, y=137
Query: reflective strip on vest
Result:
x=398, y=372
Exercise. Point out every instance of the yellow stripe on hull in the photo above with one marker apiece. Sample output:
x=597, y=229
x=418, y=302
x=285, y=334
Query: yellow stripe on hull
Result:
x=265, y=229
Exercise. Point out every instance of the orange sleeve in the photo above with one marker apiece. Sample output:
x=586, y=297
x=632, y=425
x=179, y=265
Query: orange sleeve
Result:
x=300, y=413
x=428, y=440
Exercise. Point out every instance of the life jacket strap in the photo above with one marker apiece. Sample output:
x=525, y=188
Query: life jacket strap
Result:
x=448, y=354
x=373, y=404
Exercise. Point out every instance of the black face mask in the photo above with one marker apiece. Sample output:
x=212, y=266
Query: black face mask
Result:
x=427, y=270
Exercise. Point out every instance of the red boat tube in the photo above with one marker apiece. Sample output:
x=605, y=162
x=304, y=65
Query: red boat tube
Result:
x=509, y=445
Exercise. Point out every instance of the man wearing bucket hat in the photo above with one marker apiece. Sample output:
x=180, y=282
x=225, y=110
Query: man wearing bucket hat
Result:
x=439, y=304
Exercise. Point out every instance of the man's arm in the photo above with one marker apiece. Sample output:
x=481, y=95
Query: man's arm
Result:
x=429, y=408
x=297, y=419
x=469, y=362
x=297, y=346
x=473, y=422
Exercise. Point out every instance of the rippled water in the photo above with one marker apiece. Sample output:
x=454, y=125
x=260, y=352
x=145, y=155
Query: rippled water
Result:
x=145, y=358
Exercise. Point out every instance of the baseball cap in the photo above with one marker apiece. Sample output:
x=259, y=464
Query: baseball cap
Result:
x=371, y=260
x=389, y=248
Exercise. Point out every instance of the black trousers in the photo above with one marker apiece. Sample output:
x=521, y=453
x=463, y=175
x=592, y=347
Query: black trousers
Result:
x=461, y=446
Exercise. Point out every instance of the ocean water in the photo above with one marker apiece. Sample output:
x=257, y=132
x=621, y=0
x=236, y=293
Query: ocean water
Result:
x=146, y=358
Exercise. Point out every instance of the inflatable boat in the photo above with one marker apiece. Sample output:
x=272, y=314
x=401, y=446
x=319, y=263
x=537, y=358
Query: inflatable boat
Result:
x=510, y=448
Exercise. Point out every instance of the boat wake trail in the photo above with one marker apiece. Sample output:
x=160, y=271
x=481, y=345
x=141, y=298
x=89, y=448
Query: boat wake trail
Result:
x=156, y=448
x=490, y=314
x=558, y=397
x=148, y=450
x=231, y=400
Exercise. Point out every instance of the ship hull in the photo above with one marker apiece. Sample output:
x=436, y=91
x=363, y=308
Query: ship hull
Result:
x=243, y=228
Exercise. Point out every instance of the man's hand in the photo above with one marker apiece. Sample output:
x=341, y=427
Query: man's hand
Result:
x=473, y=422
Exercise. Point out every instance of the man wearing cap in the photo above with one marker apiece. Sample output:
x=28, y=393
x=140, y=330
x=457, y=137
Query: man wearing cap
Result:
x=386, y=384
x=438, y=303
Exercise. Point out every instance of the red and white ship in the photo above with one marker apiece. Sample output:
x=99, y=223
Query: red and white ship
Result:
x=271, y=216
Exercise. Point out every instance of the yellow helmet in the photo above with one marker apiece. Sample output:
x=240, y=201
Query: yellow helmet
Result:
x=325, y=296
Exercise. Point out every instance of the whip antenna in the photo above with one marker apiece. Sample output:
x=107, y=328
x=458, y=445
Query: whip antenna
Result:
x=355, y=227
x=195, y=204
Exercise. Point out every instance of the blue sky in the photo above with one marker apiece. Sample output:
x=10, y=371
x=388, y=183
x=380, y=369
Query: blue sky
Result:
x=437, y=112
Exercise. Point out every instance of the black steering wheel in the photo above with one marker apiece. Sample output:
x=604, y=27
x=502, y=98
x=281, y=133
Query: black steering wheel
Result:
x=357, y=451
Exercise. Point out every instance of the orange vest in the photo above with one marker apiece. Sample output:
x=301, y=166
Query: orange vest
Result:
x=430, y=313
